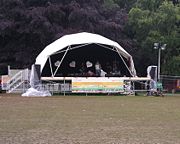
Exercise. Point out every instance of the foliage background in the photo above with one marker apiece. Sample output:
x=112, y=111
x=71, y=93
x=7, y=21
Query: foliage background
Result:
x=27, y=26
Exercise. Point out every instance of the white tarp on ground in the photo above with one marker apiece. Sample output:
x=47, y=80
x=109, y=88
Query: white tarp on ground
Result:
x=80, y=39
x=32, y=92
x=35, y=90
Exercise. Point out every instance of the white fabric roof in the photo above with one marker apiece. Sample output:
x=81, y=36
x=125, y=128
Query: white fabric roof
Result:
x=80, y=38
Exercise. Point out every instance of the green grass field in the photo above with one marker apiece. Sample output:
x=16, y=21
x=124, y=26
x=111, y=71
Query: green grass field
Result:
x=89, y=120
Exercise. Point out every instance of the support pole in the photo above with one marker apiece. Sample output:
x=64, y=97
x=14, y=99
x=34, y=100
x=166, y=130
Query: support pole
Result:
x=61, y=60
x=159, y=64
x=50, y=63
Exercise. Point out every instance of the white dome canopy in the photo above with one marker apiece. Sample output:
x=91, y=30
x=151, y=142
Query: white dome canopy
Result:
x=83, y=39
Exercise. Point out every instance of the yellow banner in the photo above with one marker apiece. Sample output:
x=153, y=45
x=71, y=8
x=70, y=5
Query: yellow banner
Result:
x=97, y=85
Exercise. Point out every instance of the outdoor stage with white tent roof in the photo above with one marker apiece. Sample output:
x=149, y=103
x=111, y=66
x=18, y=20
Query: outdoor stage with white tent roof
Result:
x=62, y=61
x=79, y=48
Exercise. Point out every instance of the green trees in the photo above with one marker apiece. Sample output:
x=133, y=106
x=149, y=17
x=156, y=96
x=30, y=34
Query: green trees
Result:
x=110, y=4
x=27, y=26
x=172, y=66
x=155, y=21
x=127, y=4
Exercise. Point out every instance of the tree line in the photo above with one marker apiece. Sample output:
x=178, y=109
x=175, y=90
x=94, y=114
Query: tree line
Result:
x=27, y=26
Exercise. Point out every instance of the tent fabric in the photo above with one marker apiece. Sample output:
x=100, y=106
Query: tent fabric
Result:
x=78, y=39
x=35, y=90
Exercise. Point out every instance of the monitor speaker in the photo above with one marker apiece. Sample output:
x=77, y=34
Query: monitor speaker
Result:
x=152, y=72
x=38, y=71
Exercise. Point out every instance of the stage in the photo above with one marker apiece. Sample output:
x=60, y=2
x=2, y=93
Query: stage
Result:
x=94, y=84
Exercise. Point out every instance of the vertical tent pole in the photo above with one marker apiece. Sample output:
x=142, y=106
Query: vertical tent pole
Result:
x=50, y=63
x=61, y=60
x=64, y=86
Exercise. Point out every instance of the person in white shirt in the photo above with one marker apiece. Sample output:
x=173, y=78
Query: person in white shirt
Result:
x=98, y=68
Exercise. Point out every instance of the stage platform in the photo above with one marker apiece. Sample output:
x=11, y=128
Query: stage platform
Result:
x=97, y=78
x=95, y=84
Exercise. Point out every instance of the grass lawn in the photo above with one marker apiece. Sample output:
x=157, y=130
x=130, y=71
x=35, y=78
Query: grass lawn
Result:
x=89, y=120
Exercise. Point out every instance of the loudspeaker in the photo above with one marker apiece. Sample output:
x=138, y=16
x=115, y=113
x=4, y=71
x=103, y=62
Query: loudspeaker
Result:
x=35, y=77
x=38, y=70
x=152, y=72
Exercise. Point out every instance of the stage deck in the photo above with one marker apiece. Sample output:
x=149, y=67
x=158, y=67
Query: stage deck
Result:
x=121, y=78
x=97, y=84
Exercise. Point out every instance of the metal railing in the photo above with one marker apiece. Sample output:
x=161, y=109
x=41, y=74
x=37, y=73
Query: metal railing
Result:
x=19, y=82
